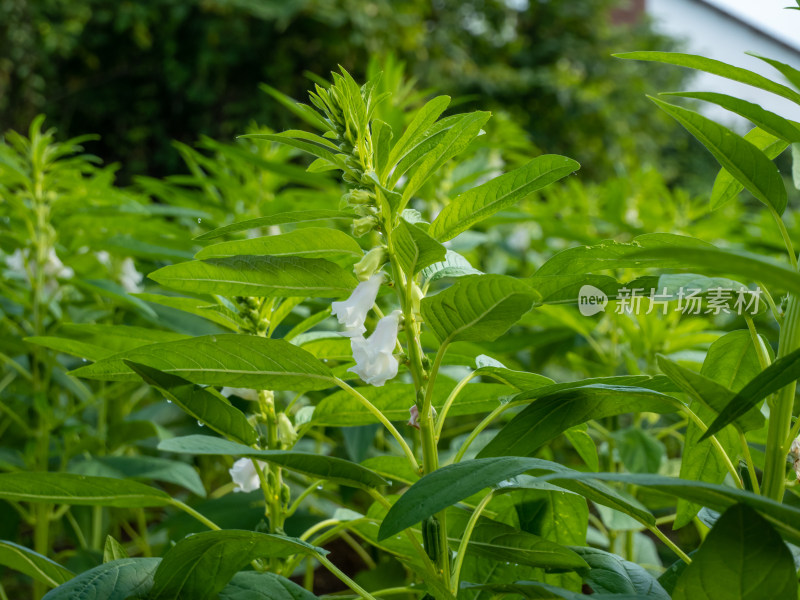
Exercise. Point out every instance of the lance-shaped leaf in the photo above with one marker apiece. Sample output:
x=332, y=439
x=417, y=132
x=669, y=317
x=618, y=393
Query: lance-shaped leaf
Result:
x=497, y=541
x=748, y=558
x=483, y=201
x=610, y=574
x=115, y=580
x=206, y=309
x=314, y=465
x=67, y=488
x=33, y=564
x=265, y=276
x=200, y=565
x=709, y=392
x=614, y=255
x=453, y=483
x=294, y=218
x=743, y=264
x=142, y=468
x=715, y=67
x=453, y=265
x=229, y=359
x=203, y=404
x=779, y=374
x=454, y=142
x=310, y=242
x=765, y=119
x=726, y=186
x=424, y=118
x=549, y=416
x=307, y=142
x=416, y=249
x=739, y=157
x=783, y=517
x=477, y=308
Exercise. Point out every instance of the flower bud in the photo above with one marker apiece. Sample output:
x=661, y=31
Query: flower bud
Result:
x=370, y=263
x=286, y=432
x=364, y=225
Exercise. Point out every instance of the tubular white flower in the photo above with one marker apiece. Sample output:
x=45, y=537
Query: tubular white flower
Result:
x=129, y=277
x=353, y=312
x=244, y=475
x=375, y=363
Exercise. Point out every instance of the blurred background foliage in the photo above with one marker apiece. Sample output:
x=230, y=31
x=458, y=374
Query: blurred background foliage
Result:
x=145, y=73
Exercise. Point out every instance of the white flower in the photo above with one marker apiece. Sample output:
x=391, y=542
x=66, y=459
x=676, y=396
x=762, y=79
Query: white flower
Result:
x=129, y=277
x=55, y=268
x=244, y=475
x=353, y=312
x=375, y=363
x=243, y=393
x=16, y=262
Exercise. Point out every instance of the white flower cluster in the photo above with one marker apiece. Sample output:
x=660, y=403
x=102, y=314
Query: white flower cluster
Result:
x=374, y=356
x=244, y=475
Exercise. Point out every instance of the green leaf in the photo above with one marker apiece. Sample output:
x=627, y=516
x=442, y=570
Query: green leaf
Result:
x=454, y=142
x=314, y=465
x=265, y=276
x=453, y=483
x=709, y=392
x=715, y=67
x=381, y=139
x=726, y=186
x=310, y=242
x=497, y=541
x=783, y=517
x=113, y=550
x=415, y=249
x=115, y=580
x=779, y=374
x=766, y=120
x=739, y=157
x=94, y=341
x=553, y=414
x=325, y=151
x=423, y=119
x=250, y=585
x=421, y=149
x=748, y=559
x=33, y=564
x=751, y=266
x=295, y=218
x=67, y=488
x=639, y=451
x=609, y=573
x=522, y=380
x=483, y=201
x=453, y=265
x=229, y=359
x=614, y=255
x=143, y=468
x=477, y=308
x=791, y=74
x=732, y=359
x=303, y=111
x=200, y=403
x=200, y=566
x=584, y=445
x=206, y=309
x=796, y=165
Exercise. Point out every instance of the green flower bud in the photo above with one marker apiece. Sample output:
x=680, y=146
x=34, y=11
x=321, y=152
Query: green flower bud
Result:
x=364, y=225
x=370, y=263
x=286, y=432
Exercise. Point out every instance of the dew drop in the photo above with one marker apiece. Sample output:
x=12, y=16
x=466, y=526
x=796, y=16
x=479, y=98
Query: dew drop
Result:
x=319, y=487
x=199, y=424
x=199, y=220
x=168, y=400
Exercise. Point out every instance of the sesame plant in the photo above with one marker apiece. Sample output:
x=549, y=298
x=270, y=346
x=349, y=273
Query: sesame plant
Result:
x=362, y=320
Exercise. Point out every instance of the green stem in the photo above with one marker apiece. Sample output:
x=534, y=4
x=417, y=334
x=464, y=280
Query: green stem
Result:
x=382, y=418
x=668, y=542
x=344, y=578
x=192, y=512
x=749, y=460
x=786, y=239
x=449, y=402
x=462, y=547
x=781, y=408
x=714, y=441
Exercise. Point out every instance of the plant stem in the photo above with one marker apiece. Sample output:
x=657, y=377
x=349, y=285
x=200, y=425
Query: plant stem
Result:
x=781, y=407
x=382, y=418
x=462, y=547
x=714, y=441
x=668, y=542
x=344, y=578
x=449, y=402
